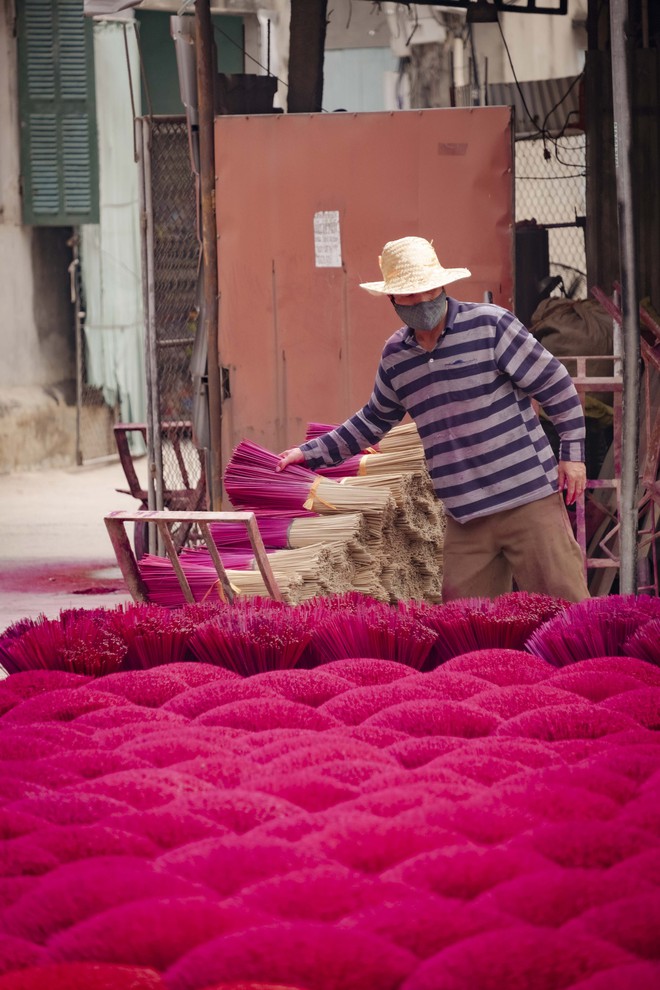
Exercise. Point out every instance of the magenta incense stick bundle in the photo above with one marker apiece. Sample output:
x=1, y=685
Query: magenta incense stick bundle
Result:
x=375, y=463
x=274, y=528
x=369, y=631
x=479, y=623
x=250, y=642
x=153, y=635
x=645, y=643
x=315, y=430
x=163, y=586
x=76, y=641
x=350, y=468
x=253, y=482
x=598, y=627
x=324, y=568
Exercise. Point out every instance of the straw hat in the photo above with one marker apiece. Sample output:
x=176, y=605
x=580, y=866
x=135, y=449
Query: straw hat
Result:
x=411, y=265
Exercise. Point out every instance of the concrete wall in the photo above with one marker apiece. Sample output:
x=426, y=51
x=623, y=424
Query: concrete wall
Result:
x=36, y=325
x=37, y=423
x=542, y=46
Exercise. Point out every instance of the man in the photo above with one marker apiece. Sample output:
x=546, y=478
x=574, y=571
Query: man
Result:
x=467, y=373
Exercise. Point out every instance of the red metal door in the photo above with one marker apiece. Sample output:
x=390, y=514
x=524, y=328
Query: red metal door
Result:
x=305, y=204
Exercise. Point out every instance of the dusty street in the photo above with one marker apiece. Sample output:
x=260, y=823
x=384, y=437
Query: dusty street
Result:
x=54, y=549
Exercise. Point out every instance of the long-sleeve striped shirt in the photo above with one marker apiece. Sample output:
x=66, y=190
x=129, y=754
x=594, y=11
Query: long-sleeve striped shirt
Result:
x=470, y=398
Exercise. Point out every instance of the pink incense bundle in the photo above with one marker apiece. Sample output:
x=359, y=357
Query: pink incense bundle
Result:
x=274, y=528
x=10, y=635
x=480, y=624
x=539, y=608
x=77, y=641
x=252, y=481
x=454, y=624
x=162, y=583
x=153, y=635
x=348, y=602
x=349, y=468
x=252, y=641
x=370, y=631
x=315, y=430
x=598, y=627
x=645, y=643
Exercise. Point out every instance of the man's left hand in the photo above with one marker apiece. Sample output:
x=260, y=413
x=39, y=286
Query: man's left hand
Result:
x=572, y=478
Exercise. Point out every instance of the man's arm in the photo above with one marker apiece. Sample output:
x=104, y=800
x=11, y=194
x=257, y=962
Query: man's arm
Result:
x=362, y=430
x=537, y=373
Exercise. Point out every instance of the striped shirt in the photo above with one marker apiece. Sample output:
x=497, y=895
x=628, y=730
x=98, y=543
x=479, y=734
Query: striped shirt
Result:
x=470, y=398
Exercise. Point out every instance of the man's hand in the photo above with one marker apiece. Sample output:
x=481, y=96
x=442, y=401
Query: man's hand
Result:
x=292, y=456
x=572, y=478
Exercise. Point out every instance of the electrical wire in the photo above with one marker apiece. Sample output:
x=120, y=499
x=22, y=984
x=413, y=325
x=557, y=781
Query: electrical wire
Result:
x=533, y=120
x=241, y=48
x=542, y=130
x=415, y=27
x=550, y=178
x=561, y=100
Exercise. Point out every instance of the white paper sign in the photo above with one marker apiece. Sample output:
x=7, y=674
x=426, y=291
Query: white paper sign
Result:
x=327, y=239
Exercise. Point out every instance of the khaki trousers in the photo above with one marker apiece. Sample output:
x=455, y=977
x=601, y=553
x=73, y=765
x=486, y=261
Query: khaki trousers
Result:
x=532, y=543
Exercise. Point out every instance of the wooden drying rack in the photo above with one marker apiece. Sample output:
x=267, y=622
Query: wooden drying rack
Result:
x=116, y=525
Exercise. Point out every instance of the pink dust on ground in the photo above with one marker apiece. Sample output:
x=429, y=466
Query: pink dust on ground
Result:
x=91, y=577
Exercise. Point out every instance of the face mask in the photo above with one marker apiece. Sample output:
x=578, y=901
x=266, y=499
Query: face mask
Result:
x=423, y=315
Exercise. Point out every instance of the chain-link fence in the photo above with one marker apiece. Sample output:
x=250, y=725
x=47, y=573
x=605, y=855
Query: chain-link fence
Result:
x=171, y=252
x=550, y=187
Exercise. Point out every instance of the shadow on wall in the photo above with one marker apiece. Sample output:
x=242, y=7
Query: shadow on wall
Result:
x=51, y=304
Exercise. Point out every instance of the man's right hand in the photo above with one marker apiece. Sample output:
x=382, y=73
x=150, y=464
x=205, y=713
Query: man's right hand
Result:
x=292, y=456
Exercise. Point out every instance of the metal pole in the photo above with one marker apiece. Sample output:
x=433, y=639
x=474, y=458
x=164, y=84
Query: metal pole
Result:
x=154, y=447
x=75, y=300
x=209, y=309
x=630, y=307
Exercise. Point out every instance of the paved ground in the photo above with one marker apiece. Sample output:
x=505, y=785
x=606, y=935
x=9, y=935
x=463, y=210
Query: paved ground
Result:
x=54, y=549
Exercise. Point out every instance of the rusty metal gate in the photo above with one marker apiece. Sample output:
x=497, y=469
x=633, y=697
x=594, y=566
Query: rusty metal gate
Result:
x=171, y=262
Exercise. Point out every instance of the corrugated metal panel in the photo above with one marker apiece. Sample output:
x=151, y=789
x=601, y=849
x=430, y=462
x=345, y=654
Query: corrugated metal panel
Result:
x=553, y=105
x=301, y=339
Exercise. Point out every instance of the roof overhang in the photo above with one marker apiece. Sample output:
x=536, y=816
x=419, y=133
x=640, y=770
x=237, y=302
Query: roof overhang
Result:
x=544, y=106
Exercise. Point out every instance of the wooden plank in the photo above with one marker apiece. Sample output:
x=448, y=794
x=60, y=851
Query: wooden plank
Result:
x=261, y=558
x=170, y=549
x=126, y=558
x=224, y=581
x=115, y=523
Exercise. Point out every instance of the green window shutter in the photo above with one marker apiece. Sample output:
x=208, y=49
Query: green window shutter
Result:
x=59, y=151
